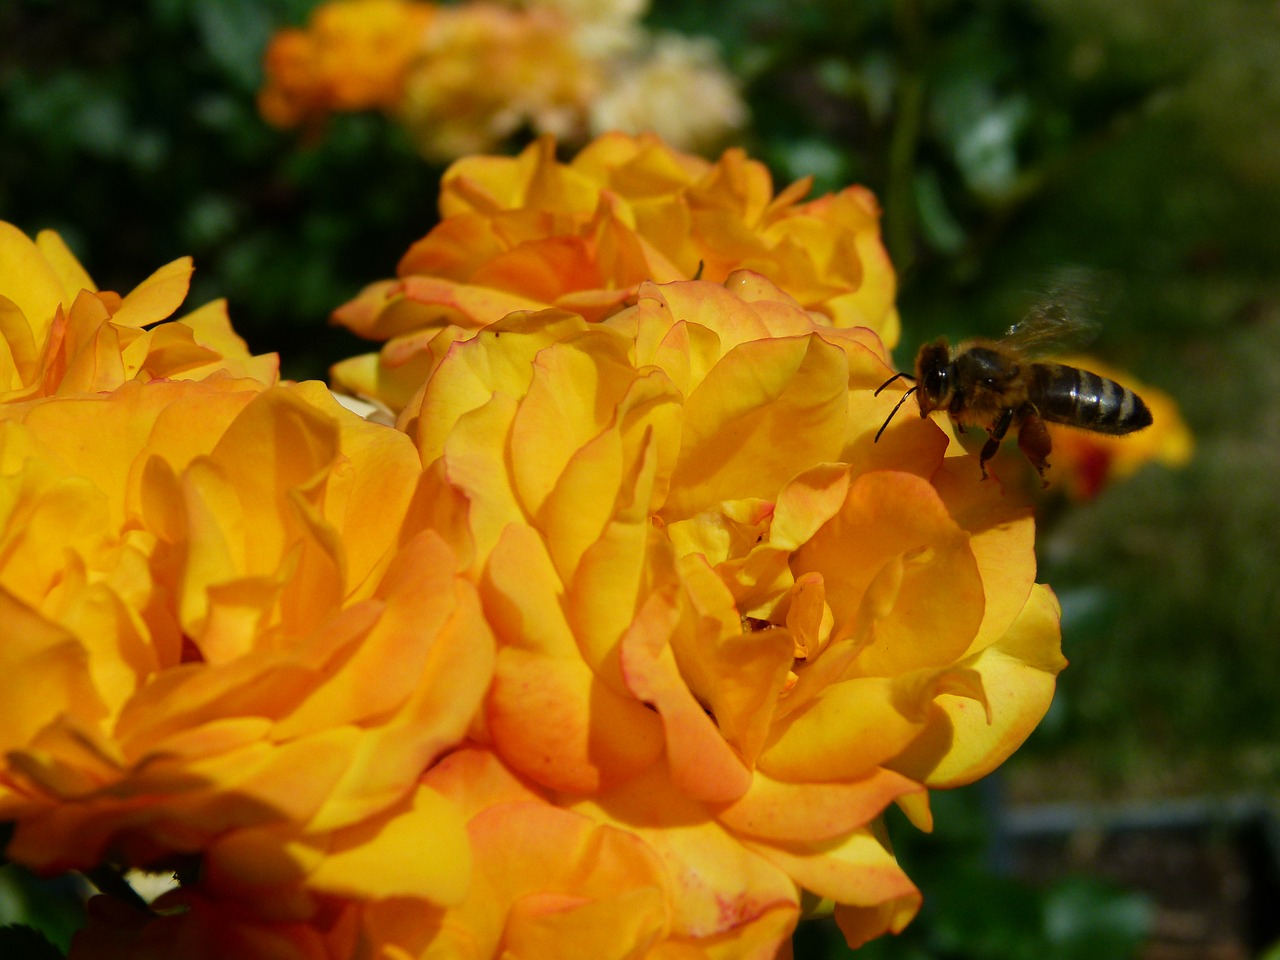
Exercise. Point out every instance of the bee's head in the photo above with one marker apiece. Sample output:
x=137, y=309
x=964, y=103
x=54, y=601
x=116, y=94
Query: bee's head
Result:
x=933, y=380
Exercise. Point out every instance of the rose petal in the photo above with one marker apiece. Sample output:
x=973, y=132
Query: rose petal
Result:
x=717, y=884
x=780, y=811
x=963, y=742
x=550, y=716
x=701, y=762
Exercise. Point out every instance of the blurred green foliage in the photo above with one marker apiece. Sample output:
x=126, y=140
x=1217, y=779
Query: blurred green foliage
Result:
x=38, y=917
x=1137, y=141
x=133, y=131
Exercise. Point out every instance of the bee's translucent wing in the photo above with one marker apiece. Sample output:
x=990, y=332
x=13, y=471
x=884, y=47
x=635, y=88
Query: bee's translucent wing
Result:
x=1062, y=319
x=1050, y=328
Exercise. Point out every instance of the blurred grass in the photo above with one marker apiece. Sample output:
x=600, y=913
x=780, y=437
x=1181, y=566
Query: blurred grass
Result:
x=1136, y=140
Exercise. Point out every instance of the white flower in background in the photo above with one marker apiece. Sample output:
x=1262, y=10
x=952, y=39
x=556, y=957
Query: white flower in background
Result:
x=681, y=91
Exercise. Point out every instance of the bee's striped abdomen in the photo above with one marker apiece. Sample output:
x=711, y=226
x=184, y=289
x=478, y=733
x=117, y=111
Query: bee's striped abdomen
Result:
x=1082, y=399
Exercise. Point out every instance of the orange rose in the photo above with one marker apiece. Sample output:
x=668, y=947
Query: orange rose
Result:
x=232, y=637
x=529, y=232
x=61, y=335
x=353, y=55
x=729, y=623
x=460, y=78
x=468, y=77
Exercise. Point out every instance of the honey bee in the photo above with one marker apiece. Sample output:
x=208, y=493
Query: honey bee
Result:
x=999, y=385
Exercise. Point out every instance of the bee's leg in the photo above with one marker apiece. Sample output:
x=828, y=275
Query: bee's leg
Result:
x=997, y=432
x=1034, y=439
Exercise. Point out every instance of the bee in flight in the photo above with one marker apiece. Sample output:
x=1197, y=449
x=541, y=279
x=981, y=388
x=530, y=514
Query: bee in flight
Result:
x=999, y=385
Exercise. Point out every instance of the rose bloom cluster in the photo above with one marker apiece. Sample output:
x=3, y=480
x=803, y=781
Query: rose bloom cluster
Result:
x=233, y=642
x=531, y=232
x=619, y=644
x=464, y=78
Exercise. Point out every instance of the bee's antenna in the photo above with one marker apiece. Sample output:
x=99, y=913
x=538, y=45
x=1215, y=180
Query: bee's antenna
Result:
x=896, y=376
x=896, y=407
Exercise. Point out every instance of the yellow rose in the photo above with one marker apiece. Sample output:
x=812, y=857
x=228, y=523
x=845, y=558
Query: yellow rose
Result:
x=729, y=622
x=60, y=335
x=233, y=637
x=530, y=232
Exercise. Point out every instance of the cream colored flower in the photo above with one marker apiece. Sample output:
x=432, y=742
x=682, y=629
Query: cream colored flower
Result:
x=680, y=91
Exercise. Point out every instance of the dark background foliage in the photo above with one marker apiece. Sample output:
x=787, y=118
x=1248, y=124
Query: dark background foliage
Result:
x=1134, y=143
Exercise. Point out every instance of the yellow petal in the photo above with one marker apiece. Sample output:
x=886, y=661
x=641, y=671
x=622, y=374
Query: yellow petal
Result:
x=29, y=280
x=844, y=734
x=765, y=408
x=962, y=742
x=857, y=870
x=552, y=718
x=158, y=296
x=58, y=255
x=52, y=666
x=384, y=856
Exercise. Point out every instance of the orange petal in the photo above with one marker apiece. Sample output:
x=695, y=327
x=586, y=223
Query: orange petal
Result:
x=551, y=717
x=557, y=878
x=781, y=811
x=766, y=936
x=475, y=779
x=701, y=762
x=427, y=299
x=860, y=924
x=737, y=675
x=900, y=575
x=717, y=884
x=1002, y=537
